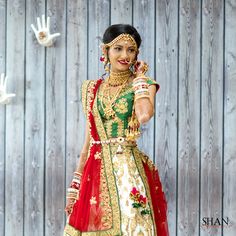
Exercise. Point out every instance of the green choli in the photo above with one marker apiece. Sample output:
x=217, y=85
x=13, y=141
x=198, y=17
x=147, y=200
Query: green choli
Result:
x=117, y=125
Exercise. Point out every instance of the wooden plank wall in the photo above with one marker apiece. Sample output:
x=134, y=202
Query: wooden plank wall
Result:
x=2, y=116
x=190, y=47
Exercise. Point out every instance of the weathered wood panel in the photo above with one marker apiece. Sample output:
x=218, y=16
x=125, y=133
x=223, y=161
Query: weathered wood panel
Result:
x=34, y=125
x=147, y=53
x=76, y=72
x=229, y=176
x=98, y=21
x=211, y=114
x=55, y=122
x=166, y=67
x=121, y=12
x=14, y=191
x=188, y=118
x=2, y=116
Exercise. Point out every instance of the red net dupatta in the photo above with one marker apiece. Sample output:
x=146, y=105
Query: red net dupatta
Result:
x=158, y=200
x=87, y=214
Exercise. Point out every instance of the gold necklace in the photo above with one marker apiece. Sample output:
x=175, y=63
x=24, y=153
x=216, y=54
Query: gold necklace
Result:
x=118, y=78
x=109, y=103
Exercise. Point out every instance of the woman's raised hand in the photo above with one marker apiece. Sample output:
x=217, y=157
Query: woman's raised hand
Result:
x=43, y=33
x=140, y=68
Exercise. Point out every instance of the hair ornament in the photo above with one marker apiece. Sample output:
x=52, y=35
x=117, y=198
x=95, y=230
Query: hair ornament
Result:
x=126, y=37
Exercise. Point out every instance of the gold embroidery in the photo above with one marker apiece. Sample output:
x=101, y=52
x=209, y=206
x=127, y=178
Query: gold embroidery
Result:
x=115, y=230
x=109, y=127
x=93, y=201
x=138, y=158
x=144, y=221
x=126, y=162
x=120, y=127
x=84, y=95
x=90, y=96
x=105, y=200
x=127, y=90
x=108, y=101
x=71, y=231
x=117, y=125
x=97, y=156
x=122, y=106
x=147, y=160
x=123, y=159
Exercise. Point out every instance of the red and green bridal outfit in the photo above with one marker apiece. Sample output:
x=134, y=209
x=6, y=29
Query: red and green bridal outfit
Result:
x=120, y=191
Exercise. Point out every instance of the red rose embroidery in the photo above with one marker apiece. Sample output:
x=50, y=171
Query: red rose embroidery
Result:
x=135, y=194
x=143, y=201
x=139, y=201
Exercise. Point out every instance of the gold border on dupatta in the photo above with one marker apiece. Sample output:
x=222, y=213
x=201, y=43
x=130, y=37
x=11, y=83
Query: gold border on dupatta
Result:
x=106, y=155
x=138, y=156
x=71, y=231
x=84, y=89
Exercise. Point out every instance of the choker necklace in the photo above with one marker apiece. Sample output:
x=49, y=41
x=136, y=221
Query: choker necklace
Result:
x=118, y=78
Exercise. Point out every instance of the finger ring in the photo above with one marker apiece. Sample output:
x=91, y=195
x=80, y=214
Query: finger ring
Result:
x=145, y=68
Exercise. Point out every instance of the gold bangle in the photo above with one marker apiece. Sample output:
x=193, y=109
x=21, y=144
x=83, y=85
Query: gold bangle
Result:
x=141, y=96
x=72, y=190
x=141, y=76
x=141, y=92
x=71, y=198
x=138, y=79
x=78, y=173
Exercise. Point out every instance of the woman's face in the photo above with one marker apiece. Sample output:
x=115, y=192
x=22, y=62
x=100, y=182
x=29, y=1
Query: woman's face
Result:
x=121, y=55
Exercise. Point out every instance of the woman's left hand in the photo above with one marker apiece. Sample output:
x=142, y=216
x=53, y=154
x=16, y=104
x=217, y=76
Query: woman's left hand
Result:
x=140, y=68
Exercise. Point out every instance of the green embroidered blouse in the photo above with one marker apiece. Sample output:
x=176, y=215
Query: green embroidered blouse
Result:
x=117, y=125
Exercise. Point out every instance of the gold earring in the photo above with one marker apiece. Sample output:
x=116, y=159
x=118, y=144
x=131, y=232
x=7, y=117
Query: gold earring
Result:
x=107, y=67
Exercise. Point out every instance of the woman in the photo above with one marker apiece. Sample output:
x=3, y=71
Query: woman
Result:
x=116, y=189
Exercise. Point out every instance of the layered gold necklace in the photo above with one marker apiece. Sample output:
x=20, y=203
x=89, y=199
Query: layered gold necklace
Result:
x=118, y=78
x=114, y=80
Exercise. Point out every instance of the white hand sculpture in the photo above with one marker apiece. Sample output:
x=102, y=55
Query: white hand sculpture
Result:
x=43, y=33
x=4, y=97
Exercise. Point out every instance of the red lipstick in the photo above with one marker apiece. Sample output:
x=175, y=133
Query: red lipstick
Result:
x=123, y=62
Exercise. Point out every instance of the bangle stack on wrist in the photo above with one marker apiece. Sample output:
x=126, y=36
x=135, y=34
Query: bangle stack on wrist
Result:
x=73, y=190
x=140, y=86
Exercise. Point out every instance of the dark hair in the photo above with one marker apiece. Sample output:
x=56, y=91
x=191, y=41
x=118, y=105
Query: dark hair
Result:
x=115, y=30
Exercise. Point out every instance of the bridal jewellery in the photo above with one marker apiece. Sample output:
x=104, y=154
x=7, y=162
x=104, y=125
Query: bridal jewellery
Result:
x=126, y=37
x=114, y=80
x=117, y=79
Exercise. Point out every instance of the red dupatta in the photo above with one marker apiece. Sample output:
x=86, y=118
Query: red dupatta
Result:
x=87, y=214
